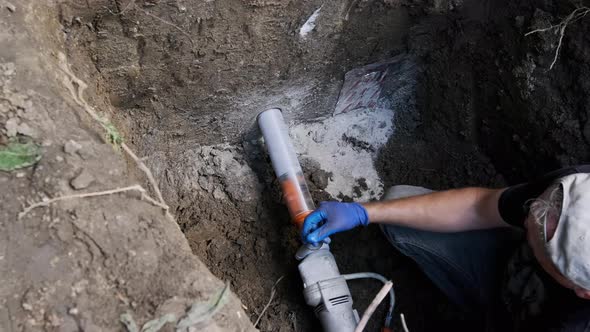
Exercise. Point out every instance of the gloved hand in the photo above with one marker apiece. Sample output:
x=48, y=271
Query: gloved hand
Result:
x=332, y=217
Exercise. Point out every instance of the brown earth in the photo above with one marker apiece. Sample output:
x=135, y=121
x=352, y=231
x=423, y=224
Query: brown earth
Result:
x=184, y=81
x=77, y=265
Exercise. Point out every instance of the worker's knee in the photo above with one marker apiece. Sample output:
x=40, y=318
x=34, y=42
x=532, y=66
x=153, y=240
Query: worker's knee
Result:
x=401, y=191
x=406, y=239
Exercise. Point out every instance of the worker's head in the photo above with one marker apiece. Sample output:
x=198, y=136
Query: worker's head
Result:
x=558, y=231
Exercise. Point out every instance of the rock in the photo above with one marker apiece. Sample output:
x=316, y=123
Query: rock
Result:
x=11, y=127
x=25, y=129
x=10, y=7
x=218, y=193
x=205, y=184
x=82, y=181
x=7, y=69
x=71, y=147
x=208, y=170
x=86, y=153
x=219, y=247
x=205, y=151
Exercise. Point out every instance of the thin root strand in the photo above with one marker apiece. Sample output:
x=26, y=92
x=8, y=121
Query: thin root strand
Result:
x=136, y=187
x=272, y=295
x=77, y=87
x=575, y=15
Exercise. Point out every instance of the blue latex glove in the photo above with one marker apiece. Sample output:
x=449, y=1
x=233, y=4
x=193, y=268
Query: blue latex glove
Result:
x=332, y=217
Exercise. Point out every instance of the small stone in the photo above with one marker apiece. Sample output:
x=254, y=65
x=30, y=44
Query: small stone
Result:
x=86, y=153
x=71, y=147
x=53, y=319
x=27, y=307
x=209, y=170
x=203, y=182
x=7, y=69
x=59, y=159
x=206, y=151
x=10, y=7
x=11, y=127
x=218, y=193
x=82, y=181
x=26, y=130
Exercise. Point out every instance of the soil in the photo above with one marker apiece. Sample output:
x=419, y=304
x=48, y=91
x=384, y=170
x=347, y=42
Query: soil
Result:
x=183, y=82
x=79, y=264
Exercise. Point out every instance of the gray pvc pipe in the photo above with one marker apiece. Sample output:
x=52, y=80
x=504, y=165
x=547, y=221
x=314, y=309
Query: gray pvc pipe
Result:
x=276, y=138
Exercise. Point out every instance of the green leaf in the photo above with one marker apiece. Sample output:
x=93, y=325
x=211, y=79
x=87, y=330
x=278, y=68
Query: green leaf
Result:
x=201, y=312
x=113, y=135
x=19, y=155
x=155, y=325
x=129, y=322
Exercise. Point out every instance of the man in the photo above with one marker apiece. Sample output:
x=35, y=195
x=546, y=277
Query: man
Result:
x=522, y=250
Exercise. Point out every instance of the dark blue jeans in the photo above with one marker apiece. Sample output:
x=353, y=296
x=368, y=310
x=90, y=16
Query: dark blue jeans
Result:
x=467, y=266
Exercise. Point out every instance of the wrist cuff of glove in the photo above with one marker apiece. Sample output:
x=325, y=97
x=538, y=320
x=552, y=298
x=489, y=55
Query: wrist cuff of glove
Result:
x=363, y=215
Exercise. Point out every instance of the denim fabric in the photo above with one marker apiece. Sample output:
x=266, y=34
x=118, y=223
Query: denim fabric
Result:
x=467, y=266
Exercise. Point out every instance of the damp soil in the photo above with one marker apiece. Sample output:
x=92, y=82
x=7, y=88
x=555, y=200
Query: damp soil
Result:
x=187, y=79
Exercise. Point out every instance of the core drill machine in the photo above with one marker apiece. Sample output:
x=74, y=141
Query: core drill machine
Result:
x=324, y=288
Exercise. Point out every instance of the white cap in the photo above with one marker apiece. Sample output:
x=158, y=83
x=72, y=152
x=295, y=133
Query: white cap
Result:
x=569, y=249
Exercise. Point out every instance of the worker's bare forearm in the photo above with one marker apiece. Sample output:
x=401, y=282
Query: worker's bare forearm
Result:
x=443, y=211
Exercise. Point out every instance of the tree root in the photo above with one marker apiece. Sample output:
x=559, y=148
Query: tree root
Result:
x=272, y=295
x=132, y=4
x=575, y=15
x=77, y=87
x=136, y=187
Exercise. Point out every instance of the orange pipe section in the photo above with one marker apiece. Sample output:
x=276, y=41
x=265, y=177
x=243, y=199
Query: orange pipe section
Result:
x=294, y=190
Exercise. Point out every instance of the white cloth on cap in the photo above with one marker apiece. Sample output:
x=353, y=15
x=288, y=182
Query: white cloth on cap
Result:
x=569, y=249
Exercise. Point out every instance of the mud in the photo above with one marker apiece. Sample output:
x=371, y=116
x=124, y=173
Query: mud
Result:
x=470, y=103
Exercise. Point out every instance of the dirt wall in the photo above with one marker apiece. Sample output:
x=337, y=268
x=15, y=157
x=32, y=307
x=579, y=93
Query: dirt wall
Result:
x=488, y=86
x=187, y=96
x=79, y=264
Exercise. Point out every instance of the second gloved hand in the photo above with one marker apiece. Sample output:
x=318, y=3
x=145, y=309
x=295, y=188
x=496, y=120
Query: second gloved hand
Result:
x=333, y=217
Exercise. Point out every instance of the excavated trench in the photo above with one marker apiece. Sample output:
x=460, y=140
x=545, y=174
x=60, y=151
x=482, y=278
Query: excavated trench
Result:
x=465, y=100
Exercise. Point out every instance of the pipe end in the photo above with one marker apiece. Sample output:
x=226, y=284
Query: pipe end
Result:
x=268, y=110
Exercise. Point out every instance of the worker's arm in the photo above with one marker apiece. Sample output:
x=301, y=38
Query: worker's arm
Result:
x=453, y=210
x=443, y=211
